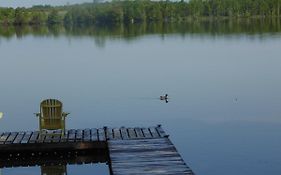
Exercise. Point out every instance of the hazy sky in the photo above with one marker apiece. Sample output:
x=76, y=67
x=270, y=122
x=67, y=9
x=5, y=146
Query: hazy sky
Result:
x=29, y=3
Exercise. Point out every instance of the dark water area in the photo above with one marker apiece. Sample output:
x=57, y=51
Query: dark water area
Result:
x=222, y=77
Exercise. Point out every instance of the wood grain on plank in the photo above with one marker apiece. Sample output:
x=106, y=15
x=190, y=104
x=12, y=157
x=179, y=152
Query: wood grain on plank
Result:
x=124, y=133
x=87, y=135
x=94, y=134
x=101, y=134
x=146, y=156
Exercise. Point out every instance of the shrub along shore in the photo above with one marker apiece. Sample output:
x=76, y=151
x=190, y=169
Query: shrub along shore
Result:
x=140, y=11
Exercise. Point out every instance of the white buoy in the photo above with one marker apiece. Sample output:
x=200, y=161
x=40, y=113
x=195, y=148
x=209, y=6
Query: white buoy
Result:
x=1, y=114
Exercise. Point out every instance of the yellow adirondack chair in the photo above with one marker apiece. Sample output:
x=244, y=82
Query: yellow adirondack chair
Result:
x=51, y=116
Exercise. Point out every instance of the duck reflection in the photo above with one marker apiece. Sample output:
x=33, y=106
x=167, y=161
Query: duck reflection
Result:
x=54, y=170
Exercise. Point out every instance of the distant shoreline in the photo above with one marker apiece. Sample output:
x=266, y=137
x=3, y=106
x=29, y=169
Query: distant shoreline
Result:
x=141, y=11
x=185, y=20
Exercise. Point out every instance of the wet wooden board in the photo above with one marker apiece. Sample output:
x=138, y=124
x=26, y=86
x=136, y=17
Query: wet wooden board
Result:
x=57, y=137
x=79, y=135
x=124, y=133
x=139, y=133
x=34, y=137
x=48, y=137
x=132, y=133
x=117, y=134
x=71, y=135
x=156, y=156
x=146, y=133
x=4, y=137
x=94, y=134
x=11, y=138
x=19, y=137
x=109, y=133
x=87, y=135
x=26, y=137
x=153, y=132
x=161, y=132
x=101, y=133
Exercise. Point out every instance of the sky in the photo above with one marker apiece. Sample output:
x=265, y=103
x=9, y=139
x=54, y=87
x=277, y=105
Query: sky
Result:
x=29, y=3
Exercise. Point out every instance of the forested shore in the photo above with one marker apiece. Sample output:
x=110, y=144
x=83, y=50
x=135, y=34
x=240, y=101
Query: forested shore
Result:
x=140, y=11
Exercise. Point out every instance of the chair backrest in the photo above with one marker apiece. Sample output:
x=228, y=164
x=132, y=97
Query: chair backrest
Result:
x=51, y=109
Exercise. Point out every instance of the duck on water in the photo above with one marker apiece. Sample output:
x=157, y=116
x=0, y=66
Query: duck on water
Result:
x=164, y=97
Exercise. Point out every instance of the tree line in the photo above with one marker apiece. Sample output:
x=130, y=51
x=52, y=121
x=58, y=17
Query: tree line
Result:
x=129, y=11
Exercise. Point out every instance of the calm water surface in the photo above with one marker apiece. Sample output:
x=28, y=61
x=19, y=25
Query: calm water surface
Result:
x=224, y=115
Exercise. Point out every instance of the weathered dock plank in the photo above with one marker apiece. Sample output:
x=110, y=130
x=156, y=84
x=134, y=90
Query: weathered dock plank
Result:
x=146, y=156
x=94, y=135
x=57, y=136
x=19, y=137
x=117, y=134
x=26, y=137
x=64, y=137
x=124, y=133
x=160, y=131
x=109, y=133
x=79, y=135
x=146, y=133
x=71, y=135
x=101, y=133
x=34, y=137
x=48, y=137
x=87, y=135
x=139, y=133
x=153, y=132
x=4, y=137
x=11, y=138
x=132, y=133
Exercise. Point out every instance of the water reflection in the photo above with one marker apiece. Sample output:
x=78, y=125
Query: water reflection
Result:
x=54, y=170
x=53, y=163
x=131, y=31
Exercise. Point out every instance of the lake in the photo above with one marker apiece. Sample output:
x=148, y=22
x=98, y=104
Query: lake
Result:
x=222, y=77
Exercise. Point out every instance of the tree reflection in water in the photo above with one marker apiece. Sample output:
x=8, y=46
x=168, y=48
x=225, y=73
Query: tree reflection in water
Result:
x=128, y=32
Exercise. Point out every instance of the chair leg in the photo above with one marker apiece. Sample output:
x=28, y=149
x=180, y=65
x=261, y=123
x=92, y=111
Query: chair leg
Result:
x=40, y=134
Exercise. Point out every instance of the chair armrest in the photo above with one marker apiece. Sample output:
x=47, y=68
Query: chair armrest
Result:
x=37, y=114
x=64, y=114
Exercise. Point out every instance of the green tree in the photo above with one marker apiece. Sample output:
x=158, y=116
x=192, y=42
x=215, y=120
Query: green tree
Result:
x=21, y=16
x=54, y=17
x=196, y=8
x=38, y=18
x=153, y=12
x=7, y=16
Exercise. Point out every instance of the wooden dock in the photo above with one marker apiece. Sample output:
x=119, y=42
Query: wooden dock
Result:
x=146, y=156
x=128, y=151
